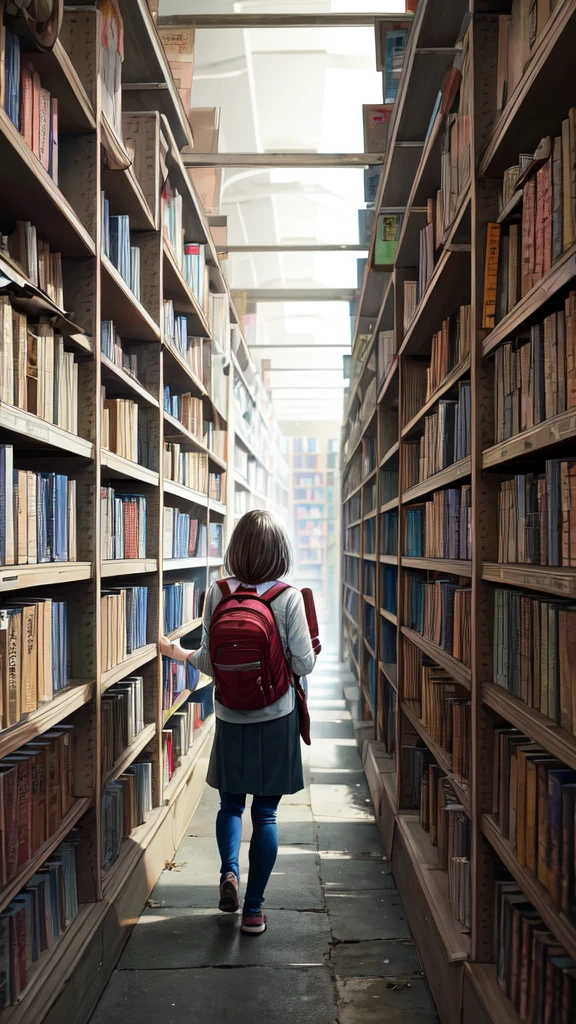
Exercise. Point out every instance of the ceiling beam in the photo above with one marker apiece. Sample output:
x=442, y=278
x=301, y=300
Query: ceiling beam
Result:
x=297, y=294
x=309, y=247
x=267, y=160
x=328, y=20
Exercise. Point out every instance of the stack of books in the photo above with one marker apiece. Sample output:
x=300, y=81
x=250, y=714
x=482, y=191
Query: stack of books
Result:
x=33, y=655
x=43, y=770
x=537, y=516
x=535, y=374
x=534, y=969
x=125, y=805
x=38, y=374
x=123, y=623
x=120, y=427
x=31, y=108
x=122, y=524
x=187, y=468
x=533, y=806
x=534, y=650
x=42, y=267
x=122, y=718
x=37, y=515
x=187, y=409
x=116, y=247
x=112, y=347
x=25, y=933
x=440, y=611
x=184, y=537
x=181, y=603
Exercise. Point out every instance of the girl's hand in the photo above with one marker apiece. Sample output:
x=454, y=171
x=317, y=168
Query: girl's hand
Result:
x=173, y=649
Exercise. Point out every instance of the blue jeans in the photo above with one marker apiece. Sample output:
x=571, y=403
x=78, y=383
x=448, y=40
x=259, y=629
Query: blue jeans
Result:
x=263, y=845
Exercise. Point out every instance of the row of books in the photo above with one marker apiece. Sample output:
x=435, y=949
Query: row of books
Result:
x=36, y=918
x=184, y=536
x=533, y=806
x=122, y=718
x=187, y=409
x=446, y=439
x=369, y=579
x=30, y=107
x=177, y=676
x=444, y=707
x=534, y=648
x=37, y=515
x=389, y=533
x=535, y=374
x=122, y=524
x=177, y=737
x=125, y=805
x=33, y=655
x=187, y=468
x=119, y=428
x=450, y=346
x=388, y=713
x=456, y=160
x=352, y=572
x=534, y=969
x=370, y=625
x=181, y=604
x=518, y=34
x=441, y=527
x=117, y=248
x=190, y=256
x=352, y=537
x=386, y=354
x=113, y=348
x=388, y=486
x=368, y=455
x=123, y=618
x=36, y=787
x=440, y=611
x=37, y=373
x=536, y=516
x=215, y=440
x=446, y=822
x=42, y=267
x=369, y=536
x=389, y=581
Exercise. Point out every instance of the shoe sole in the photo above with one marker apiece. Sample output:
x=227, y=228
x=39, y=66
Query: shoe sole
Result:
x=256, y=930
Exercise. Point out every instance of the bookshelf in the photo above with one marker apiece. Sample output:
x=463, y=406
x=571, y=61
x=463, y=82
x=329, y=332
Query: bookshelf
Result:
x=127, y=337
x=401, y=571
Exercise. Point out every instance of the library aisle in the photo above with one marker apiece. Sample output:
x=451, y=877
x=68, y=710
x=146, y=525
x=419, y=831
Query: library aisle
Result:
x=337, y=947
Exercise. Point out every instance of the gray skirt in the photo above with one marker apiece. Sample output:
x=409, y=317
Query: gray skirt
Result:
x=263, y=759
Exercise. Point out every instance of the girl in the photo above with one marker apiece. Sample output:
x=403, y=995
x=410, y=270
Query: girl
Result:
x=257, y=751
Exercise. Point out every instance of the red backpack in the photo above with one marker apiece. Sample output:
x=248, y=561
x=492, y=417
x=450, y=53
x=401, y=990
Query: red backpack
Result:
x=248, y=661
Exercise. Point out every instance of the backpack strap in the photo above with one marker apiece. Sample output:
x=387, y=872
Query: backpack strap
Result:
x=224, y=587
x=274, y=592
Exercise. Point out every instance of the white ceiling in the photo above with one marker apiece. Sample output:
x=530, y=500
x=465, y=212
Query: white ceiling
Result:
x=291, y=90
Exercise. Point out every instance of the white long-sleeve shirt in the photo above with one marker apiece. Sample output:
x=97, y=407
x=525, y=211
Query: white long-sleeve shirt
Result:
x=290, y=615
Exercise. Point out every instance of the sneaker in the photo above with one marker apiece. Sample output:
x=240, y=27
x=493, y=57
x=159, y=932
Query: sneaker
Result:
x=254, y=924
x=229, y=894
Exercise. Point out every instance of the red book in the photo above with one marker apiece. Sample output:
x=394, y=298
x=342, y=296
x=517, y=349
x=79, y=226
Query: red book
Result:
x=130, y=529
x=26, y=106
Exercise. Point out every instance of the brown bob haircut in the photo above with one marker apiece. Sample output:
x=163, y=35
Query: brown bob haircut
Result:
x=259, y=550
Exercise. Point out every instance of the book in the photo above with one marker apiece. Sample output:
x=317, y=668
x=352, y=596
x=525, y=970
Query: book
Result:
x=491, y=275
x=124, y=614
x=122, y=524
x=441, y=611
x=35, y=667
x=185, y=467
x=126, y=803
x=180, y=603
x=535, y=519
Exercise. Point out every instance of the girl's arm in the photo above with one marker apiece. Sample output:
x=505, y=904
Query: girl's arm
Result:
x=201, y=657
x=300, y=653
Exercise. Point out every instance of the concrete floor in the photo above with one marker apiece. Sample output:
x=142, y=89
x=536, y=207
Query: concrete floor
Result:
x=338, y=949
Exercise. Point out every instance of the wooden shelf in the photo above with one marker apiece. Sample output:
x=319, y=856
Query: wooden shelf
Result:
x=564, y=931
x=125, y=194
x=389, y=616
x=390, y=454
x=389, y=505
x=560, y=428
x=181, y=364
x=455, y=566
x=171, y=564
x=388, y=559
x=460, y=786
x=179, y=777
x=144, y=737
x=49, y=714
x=455, y=668
x=27, y=186
x=121, y=305
x=347, y=615
x=127, y=566
x=186, y=627
x=217, y=506
x=119, y=382
x=457, y=471
x=387, y=382
x=433, y=884
x=77, y=810
x=186, y=494
x=352, y=554
x=127, y=667
x=174, y=430
x=180, y=700
x=560, y=274
x=448, y=382
x=369, y=556
x=550, y=579
x=59, y=76
x=120, y=468
x=560, y=742
x=369, y=600
x=370, y=649
x=33, y=430
x=177, y=288
x=484, y=980
x=45, y=574
x=390, y=671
